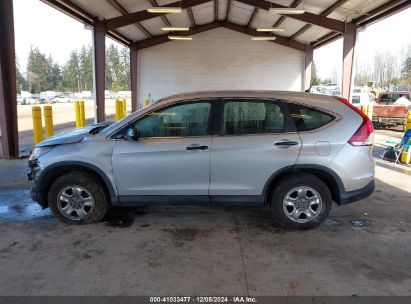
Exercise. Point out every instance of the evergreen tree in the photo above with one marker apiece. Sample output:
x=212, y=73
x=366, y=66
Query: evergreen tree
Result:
x=314, y=76
x=406, y=70
x=71, y=73
x=37, y=71
x=112, y=66
x=21, y=82
x=124, y=77
x=86, y=68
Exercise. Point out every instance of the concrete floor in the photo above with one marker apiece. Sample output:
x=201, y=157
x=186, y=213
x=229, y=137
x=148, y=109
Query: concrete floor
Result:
x=208, y=251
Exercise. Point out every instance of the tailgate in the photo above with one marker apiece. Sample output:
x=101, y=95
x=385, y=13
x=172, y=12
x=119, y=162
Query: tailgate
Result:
x=395, y=111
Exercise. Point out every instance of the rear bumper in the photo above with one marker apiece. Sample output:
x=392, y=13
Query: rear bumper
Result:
x=356, y=195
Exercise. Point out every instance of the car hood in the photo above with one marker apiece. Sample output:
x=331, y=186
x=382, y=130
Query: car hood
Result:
x=72, y=136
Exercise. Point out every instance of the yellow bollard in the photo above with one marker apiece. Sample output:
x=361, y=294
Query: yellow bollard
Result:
x=78, y=117
x=364, y=109
x=118, y=114
x=370, y=111
x=48, y=121
x=82, y=114
x=409, y=120
x=146, y=102
x=120, y=109
x=406, y=155
x=124, y=107
x=37, y=125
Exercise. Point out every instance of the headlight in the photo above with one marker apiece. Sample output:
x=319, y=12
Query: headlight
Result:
x=39, y=151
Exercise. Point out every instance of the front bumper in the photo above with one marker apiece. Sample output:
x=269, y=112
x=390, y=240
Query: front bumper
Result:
x=356, y=195
x=32, y=175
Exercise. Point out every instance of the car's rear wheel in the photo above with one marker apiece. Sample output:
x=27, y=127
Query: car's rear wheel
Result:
x=300, y=201
x=78, y=198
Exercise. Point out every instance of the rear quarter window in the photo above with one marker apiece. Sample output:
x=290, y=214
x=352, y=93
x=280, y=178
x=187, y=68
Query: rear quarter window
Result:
x=307, y=118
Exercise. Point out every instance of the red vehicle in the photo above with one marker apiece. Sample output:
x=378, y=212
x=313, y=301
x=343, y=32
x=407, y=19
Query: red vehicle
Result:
x=390, y=111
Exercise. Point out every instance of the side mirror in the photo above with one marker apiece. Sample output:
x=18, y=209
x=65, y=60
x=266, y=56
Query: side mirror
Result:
x=132, y=134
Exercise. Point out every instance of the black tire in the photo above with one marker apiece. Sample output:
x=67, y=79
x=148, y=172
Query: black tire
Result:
x=288, y=184
x=86, y=181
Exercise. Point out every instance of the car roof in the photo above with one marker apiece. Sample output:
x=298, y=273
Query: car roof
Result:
x=291, y=95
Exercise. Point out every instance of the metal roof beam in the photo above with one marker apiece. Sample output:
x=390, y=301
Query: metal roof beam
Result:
x=165, y=19
x=143, y=15
x=332, y=24
x=216, y=10
x=72, y=10
x=325, y=13
x=123, y=11
x=229, y=25
x=252, y=17
x=282, y=18
x=191, y=16
x=227, y=14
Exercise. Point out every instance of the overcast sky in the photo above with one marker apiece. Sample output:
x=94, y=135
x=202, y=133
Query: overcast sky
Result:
x=55, y=33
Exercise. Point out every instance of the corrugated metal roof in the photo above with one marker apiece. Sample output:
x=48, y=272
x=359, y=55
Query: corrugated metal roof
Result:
x=239, y=14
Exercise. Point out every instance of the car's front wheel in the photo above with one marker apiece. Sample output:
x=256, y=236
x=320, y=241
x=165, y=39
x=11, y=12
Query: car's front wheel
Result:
x=300, y=201
x=78, y=198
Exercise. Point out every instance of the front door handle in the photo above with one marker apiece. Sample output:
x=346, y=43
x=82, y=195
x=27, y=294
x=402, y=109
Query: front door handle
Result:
x=196, y=147
x=285, y=143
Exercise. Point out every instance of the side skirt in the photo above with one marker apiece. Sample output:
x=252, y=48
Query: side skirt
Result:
x=218, y=200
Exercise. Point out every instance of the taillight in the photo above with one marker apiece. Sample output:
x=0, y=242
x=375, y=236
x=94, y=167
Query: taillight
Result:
x=364, y=136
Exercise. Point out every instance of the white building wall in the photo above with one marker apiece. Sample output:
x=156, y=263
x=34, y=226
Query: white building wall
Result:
x=220, y=59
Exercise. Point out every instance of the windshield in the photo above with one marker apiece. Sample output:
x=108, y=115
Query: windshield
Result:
x=114, y=126
x=391, y=98
x=356, y=99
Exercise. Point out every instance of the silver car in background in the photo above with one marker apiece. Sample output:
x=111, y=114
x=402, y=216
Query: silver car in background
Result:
x=294, y=153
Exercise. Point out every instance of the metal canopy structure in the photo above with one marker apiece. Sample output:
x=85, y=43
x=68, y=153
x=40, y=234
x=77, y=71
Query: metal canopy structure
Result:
x=129, y=23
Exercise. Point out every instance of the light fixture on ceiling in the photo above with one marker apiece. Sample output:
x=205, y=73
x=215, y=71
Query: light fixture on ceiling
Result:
x=165, y=10
x=263, y=38
x=175, y=29
x=270, y=29
x=287, y=11
x=180, y=38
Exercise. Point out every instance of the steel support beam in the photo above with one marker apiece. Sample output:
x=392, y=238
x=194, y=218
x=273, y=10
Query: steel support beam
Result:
x=133, y=77
x=99, y=36
x=165, y=19
x=143, y=15
x=164, y=38
x=229, y=25
x=282, y=18
x=8, y=92
x=227, y=13
x=216, y=10
x=72, y=10
x=325, y=13
x=348, y=58
x=123, y=11
x=252, y=17
x=332, y=24
x=191, y=17
x=308, y=67
x=378, y=14
x=279, y=39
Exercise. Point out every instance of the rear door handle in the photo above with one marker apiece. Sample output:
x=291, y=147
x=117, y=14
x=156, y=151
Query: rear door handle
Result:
x=286, y=143
x=196, y=147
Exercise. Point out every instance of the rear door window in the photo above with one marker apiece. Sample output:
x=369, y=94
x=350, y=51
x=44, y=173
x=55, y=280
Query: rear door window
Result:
x=307, y=118
x=253, y=117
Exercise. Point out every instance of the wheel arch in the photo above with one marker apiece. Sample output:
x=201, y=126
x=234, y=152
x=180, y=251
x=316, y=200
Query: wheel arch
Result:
x=52, y=172
x=328, y=176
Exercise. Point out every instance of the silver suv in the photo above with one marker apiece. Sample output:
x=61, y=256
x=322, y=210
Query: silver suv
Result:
x=294, y=153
